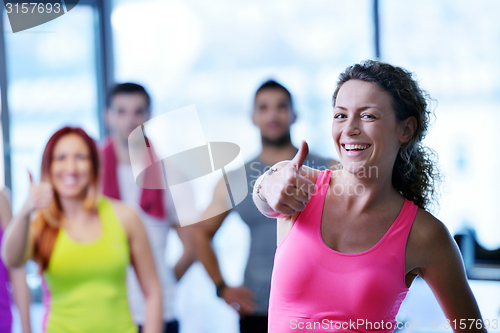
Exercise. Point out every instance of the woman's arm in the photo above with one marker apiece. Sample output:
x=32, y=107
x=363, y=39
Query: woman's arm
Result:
x=17, y=245
x=18, y=242
x=262, y=190
x=142, y=259
x=440, y=265
x=21, y=296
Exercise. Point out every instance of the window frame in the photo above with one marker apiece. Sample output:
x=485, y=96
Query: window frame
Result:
x=104, y=74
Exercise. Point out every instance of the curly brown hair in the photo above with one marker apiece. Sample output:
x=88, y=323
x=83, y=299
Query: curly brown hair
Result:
x=415, y=173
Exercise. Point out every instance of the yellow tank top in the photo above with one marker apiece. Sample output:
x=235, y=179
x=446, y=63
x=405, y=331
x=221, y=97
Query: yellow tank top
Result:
x=85, y=282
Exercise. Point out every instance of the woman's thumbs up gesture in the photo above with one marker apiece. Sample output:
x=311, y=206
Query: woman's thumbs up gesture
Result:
x=285, y=190
x=40, y=195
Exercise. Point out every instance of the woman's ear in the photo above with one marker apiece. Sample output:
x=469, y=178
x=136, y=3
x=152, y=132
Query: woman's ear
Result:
x=408, y=128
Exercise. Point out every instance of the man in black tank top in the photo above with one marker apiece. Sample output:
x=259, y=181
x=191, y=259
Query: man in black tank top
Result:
x=273, y=114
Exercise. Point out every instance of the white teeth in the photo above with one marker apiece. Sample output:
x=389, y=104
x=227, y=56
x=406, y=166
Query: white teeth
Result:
x=356, y=147
x=69, y=180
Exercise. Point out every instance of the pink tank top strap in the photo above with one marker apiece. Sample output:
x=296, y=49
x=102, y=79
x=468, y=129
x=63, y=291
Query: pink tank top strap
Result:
x=323, y=181
x=394, y=241
x=314, y=207
x=407, y=214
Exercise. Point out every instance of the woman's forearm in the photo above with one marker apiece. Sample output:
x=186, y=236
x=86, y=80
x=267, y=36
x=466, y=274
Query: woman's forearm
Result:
x=21, y=296
x=260, y=192
x=262, y=205
x=153, y=322
x=15, y=243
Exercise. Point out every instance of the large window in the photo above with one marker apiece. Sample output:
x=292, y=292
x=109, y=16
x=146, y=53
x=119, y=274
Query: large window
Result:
x=51, y=73
x=452, y=46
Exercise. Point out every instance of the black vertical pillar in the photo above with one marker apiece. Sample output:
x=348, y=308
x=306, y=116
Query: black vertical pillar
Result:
x=376, y=29
x=5, y=105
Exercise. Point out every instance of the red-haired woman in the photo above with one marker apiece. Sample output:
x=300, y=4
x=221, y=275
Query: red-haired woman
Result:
x=82, y=243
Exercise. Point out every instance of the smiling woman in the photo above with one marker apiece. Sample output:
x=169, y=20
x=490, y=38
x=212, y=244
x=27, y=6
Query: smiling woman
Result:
x=71, y=167
x=351, y=256
x=82, y=243
x=414, y=171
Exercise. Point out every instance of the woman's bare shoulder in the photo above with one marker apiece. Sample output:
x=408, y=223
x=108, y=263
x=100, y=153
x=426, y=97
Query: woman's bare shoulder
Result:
x=429, y=241
x=427, y=228
x=126, y=214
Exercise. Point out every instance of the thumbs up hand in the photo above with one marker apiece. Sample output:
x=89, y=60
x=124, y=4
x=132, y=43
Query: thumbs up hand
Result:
x=286, y=190
x=40, y=195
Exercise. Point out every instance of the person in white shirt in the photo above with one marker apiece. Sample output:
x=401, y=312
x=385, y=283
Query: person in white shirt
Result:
x=128, y=107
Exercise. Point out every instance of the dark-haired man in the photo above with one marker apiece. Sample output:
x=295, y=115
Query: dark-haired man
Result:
x=129, y=106
x=273, y=114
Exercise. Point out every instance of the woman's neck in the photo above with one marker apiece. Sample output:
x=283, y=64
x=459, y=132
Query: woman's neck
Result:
x=73, y=208
x=360, y=192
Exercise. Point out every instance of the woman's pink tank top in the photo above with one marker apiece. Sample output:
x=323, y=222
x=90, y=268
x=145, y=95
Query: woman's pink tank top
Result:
x=317, y=289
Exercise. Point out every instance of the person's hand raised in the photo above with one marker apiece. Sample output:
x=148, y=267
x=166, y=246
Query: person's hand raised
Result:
x=287, y=191
x=40, y=195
